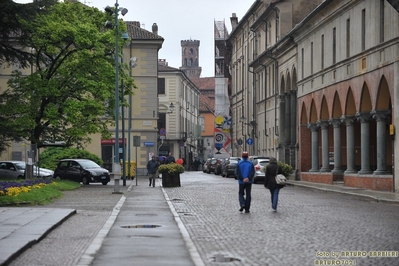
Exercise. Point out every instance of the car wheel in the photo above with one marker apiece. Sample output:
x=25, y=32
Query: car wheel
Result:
x=105, y=183
x=85, y=181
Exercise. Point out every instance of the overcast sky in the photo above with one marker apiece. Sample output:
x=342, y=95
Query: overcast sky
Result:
x=179, y=20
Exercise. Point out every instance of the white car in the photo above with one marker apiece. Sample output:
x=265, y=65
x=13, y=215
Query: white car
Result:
x=16, y=169
x=259, y=165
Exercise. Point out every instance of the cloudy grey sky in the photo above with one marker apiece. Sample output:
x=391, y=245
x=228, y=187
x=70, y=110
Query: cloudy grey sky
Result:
x=180, y=20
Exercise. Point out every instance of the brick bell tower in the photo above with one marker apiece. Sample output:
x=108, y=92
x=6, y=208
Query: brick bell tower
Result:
x=190, y=58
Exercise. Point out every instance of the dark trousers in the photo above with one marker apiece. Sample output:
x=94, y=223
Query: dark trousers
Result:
x=244, y=195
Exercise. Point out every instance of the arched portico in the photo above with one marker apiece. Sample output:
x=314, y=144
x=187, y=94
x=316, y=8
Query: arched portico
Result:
x=349, y=130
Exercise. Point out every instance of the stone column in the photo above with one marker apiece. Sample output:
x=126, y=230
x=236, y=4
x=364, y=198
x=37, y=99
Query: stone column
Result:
x=350, y=144
x=282, y=119
x=365, y=142
x=336, y=122
x=315, y=147
x=324, y=146
x=294, y=115
x=287, y=122
x=381, y=117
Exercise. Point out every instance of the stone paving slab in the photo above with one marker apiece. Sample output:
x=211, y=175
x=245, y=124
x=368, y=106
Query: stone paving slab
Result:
x=23, y=227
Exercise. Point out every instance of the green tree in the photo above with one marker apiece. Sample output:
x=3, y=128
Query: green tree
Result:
x=51, y=156
x=71, y=94
x=12, y=32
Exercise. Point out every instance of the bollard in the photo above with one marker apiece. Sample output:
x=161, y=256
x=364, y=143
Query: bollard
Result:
x=116, y=183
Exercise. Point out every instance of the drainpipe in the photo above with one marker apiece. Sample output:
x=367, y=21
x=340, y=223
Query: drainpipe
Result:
x=253, y=122
x=265, y=67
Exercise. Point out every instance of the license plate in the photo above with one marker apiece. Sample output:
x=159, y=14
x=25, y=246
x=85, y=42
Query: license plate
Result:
x=103, y=177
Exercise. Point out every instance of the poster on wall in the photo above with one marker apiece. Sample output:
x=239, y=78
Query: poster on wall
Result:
x=222, y=137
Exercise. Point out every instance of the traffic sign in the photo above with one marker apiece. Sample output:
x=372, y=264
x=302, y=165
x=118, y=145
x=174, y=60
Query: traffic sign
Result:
x=148, y=143
x=162, y=132
x=250, y=141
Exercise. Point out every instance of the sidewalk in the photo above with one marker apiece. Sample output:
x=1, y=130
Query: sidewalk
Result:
x=391, y=197
x=142, y=215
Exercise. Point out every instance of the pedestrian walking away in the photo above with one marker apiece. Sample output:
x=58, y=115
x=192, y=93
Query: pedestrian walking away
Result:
x=196, y=164
x=245, y=173
x=152, y=168
x=170, y=158
x=272, y=169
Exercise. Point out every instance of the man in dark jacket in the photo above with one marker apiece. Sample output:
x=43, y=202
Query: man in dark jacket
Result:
x=245, y=173
x=170, y=158
x=272, y=169
x=152, y=168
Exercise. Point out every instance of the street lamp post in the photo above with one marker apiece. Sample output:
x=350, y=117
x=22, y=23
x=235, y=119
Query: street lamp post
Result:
x=116, y=169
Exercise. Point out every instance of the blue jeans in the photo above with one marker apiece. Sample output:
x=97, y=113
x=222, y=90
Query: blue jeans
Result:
x=244, y=189
x=274, y=196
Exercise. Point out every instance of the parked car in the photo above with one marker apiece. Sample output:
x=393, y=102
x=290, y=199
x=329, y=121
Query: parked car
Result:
x=16, y=169
x=229, y=167
x=211, y=166
x=259, y=165
x=218, y=165
x=81, y=170
x=254, y=157
x=205, y=166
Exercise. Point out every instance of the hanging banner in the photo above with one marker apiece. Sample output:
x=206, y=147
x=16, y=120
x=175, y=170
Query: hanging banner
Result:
x=222, y=137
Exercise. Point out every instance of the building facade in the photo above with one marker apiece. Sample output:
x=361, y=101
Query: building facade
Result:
x=347, y=81
x=324, y=86
x=138, y=132
x=183, y=125
x=263, y=79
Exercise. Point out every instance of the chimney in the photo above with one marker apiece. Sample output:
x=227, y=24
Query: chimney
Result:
x=233, y=21
x=155, y=29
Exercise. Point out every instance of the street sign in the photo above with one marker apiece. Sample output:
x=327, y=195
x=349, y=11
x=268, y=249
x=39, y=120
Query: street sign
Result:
x=162, y=137
x=162, y=132
x=136, y=141
x=250, y=141
x=148, y=143
x=239, y=142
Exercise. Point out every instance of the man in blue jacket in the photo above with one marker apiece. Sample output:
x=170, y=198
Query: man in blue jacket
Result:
x=152, y=168
x=245, y=173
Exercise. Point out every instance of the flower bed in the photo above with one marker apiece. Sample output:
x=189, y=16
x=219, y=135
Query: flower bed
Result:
x=13, y=188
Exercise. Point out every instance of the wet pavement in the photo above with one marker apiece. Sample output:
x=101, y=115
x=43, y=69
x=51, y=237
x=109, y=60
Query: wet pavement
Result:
x=199, y=224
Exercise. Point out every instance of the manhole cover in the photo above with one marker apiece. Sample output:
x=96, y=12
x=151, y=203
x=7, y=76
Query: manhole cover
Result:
x=177, y=200
x=141, y=226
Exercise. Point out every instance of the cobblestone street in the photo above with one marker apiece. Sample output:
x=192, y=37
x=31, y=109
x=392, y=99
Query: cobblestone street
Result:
x=309, y=226
x=307, y=221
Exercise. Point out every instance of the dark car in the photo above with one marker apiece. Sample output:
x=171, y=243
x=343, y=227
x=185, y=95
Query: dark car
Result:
x=212, y=166
x=229, y=167
x=81, y=170
x=218, y=165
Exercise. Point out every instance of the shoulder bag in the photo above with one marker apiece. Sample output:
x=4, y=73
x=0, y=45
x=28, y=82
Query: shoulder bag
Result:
x=280, y=178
